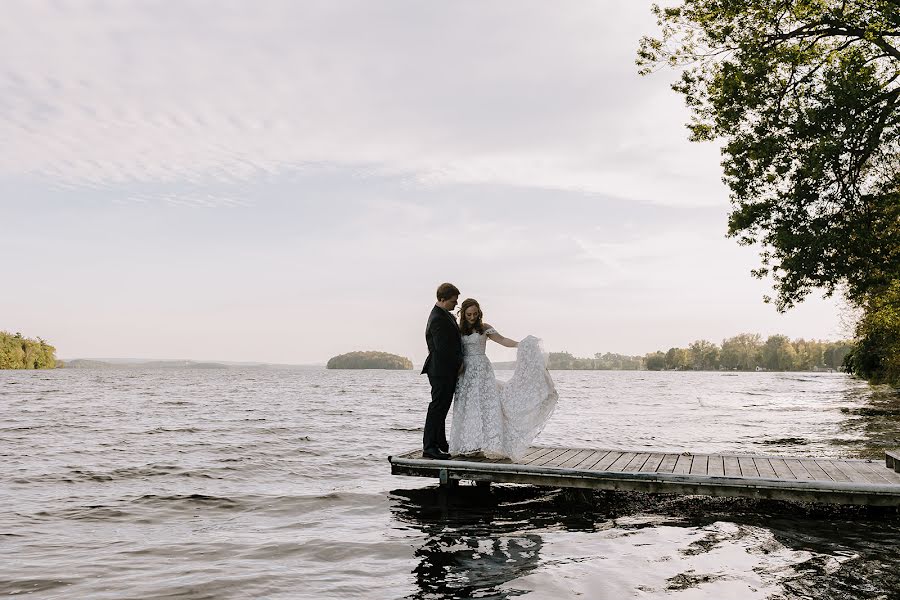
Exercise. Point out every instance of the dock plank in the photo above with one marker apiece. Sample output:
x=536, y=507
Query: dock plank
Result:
x=668, y=463
x=782, y=471
x=621, y=462
x=874, y=470
x=683, y=465
x=635, y=464
x=652, y=463
x=833, y=471
x=591, y=459
x=546, y=458
x=534, y=457
x=716, y=466
x=576, y=458
x=557, y=460
x=798, y=469
x=532, y=452
x=603, y=463
x=748, y=467
x=891, y=475
x=732, y=468
x=699, y=464
x=764, y=467
x=815, y=470
x=855, y=475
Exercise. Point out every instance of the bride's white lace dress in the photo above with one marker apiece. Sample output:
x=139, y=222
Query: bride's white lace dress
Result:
x=495, y=417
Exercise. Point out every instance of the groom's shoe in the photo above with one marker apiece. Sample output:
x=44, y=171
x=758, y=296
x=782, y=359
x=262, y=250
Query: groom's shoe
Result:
x=435, y=455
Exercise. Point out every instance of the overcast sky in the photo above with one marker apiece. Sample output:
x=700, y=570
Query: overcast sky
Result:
x=286, y=181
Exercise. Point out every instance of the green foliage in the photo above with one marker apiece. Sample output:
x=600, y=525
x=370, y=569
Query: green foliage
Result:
x=678, y=359
x=741, y=352
x=655, y=361
x=17, y=352
x=805, y=97
x=369, y=360
x=877, y=353
x=747, y=352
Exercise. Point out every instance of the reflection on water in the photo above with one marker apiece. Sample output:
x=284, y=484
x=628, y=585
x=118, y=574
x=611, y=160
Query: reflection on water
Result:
x=479, y=543
x=476, y=539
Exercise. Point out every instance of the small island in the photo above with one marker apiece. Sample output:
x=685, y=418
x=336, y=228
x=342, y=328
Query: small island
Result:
x=369, y=359
x=18, y=352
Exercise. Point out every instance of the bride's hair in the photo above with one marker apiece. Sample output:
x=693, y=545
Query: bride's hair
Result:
x=464, y=326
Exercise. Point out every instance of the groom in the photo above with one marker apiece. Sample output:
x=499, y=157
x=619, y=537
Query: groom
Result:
x=443, y=365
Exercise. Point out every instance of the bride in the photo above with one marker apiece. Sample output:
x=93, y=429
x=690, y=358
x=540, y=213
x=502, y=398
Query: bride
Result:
x=496, y=418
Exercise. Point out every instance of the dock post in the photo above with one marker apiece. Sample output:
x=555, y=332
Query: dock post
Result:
x=892, y=460
x=445, y=480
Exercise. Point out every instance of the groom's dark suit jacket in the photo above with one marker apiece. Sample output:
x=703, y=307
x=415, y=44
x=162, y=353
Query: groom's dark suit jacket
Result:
x=444, y=341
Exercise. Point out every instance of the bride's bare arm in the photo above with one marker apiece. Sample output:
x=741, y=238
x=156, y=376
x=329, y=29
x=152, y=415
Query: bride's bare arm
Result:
x=503, y=341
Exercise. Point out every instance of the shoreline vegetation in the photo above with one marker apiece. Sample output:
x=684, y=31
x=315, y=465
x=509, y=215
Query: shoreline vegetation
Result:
x=18, y=352
x=803, y=100
x=743, y=352
x=369, y=359
x=748, y=352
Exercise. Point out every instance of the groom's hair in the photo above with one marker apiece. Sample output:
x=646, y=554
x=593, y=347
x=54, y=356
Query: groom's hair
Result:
x=446, y=291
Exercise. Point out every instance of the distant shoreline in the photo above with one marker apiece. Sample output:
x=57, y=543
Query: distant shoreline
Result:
x=137, y=363
x=148, y=364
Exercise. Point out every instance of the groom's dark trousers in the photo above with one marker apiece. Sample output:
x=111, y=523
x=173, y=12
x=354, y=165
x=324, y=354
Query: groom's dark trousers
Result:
x=442, y=367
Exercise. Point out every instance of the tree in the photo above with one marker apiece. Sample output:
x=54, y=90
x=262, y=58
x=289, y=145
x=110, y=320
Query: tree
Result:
x=741, y=352
x=655, y=361
x=805, y=96
x=834, y=354
x=877, y=353
x=778, y=354
x=678, y=358
x=704, y=355
x=17, y=352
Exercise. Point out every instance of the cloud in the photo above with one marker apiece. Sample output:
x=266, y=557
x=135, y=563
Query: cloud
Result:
x=207, y=93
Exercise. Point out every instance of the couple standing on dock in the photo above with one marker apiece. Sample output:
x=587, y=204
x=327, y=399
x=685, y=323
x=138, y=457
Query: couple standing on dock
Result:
x=490, y=417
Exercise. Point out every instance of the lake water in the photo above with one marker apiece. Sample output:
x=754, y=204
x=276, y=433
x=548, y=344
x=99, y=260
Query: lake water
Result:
x=275, y=484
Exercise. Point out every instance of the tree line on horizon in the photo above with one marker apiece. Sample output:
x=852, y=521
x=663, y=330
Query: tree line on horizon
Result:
x=17, y=352
x=743, y=352
x=748, y=352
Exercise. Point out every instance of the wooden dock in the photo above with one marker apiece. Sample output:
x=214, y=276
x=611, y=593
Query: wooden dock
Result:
x=824, y=480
